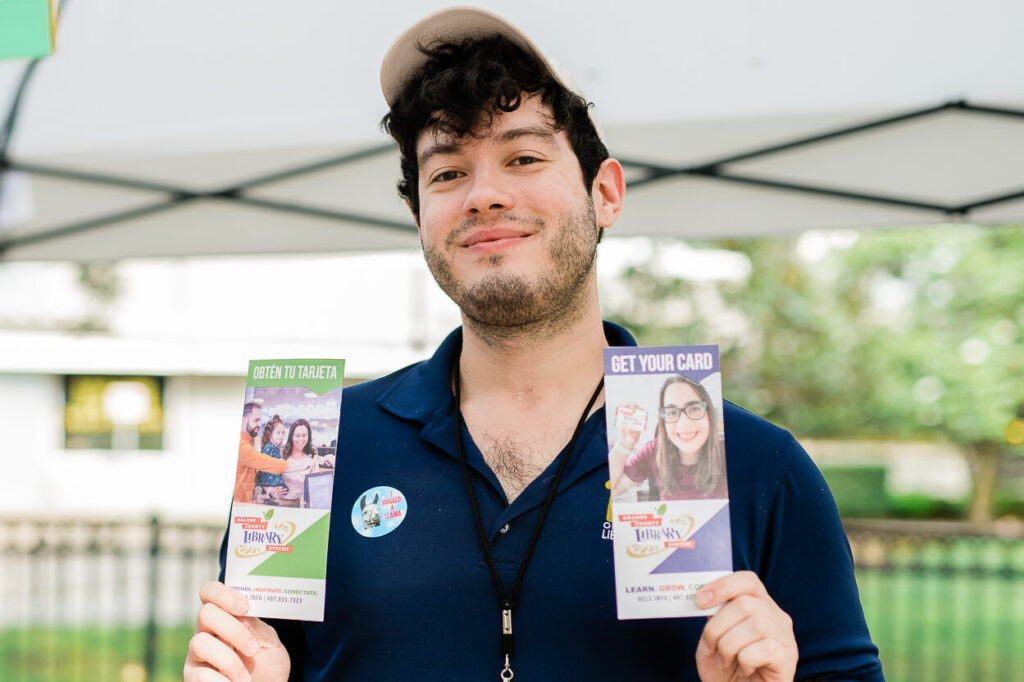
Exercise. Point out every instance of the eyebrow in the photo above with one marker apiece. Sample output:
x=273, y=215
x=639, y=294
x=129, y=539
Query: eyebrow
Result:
x=542, y=134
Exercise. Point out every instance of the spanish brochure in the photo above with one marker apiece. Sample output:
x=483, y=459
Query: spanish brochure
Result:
x=666, y=458
x=284, y=480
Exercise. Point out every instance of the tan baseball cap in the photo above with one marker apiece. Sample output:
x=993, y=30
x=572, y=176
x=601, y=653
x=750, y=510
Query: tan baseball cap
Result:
x=404, y=59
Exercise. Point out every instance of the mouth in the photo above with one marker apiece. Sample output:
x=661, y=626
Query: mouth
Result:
x=494, y=239
x=688, y=437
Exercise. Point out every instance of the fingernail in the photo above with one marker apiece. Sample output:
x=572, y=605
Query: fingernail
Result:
x=704, y=598
x=253, y=647
x=241, y=606
x=703, y=648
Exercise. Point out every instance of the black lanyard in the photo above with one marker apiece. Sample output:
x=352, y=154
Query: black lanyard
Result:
x=508, y=601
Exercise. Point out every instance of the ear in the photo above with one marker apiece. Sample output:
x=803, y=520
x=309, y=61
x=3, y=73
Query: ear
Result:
x=415, y=218
x=608, y=192
x=376, y=498
x=362, y=502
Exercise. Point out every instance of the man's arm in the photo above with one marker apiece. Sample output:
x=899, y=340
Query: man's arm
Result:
x=617, y=456
x=248, y=456
x=790, y=533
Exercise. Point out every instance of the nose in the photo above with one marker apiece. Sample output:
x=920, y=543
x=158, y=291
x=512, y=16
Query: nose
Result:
x=488, y=192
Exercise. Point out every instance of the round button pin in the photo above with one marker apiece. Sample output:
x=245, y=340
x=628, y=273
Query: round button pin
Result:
x=378, y=511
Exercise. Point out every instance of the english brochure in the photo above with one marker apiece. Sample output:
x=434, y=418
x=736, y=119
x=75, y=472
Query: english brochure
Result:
x=670, y=503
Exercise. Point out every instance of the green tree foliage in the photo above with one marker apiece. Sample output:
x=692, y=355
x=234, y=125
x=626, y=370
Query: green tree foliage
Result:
x=902, y=333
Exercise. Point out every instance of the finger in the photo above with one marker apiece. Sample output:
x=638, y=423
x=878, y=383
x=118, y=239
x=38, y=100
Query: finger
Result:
x=717, y=625
x=201, y=674
x=210, y=659
x=755, y=628
x=732, y=613
x=227, y=628
x=229, y=599
x=737, y=610
x=764, y=654
x=712, y=667
x=729, y=587
x=266, y=634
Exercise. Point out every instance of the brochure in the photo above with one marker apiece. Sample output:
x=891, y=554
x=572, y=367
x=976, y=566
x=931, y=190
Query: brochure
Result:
x=284, y=480
x=666, y=458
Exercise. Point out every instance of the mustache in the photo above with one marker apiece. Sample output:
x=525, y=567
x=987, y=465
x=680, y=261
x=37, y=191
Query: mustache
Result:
x=470, y=224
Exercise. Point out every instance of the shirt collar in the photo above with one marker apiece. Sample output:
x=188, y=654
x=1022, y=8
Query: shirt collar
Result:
x=426, y=390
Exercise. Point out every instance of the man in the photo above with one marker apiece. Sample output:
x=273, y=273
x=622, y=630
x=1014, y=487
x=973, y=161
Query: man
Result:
x=250, y=461
x=511, y=186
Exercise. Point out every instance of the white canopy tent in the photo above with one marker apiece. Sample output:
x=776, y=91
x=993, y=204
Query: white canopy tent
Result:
x=166, y=128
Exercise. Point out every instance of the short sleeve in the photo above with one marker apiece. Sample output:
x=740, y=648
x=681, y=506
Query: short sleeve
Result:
x=807, y=568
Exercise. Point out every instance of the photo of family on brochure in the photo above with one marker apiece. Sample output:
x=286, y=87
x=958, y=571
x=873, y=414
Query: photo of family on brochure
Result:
x=288, y=446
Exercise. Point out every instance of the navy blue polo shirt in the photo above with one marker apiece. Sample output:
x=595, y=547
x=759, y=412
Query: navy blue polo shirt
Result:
x=418, y=602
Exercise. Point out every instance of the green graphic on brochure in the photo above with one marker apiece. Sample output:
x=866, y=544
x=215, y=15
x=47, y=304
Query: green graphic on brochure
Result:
x=308, y=558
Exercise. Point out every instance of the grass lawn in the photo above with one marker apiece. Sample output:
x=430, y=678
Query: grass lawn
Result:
x=89, y=654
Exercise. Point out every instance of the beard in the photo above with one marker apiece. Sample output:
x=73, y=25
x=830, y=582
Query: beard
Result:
x=507, y=301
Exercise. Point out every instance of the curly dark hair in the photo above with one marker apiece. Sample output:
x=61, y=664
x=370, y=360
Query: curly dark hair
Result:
x=463, y=86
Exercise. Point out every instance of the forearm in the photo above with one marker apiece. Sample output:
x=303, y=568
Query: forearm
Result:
x=247, y=456
x=620, y=481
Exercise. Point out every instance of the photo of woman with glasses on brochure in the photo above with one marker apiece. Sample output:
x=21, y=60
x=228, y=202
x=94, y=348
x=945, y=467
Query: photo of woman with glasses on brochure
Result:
x=686, y=458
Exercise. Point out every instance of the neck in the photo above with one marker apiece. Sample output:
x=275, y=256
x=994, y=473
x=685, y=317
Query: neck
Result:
x=529, y=367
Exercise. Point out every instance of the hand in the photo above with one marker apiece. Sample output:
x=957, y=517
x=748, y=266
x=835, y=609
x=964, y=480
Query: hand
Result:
x=301, y=465
x=750, y=638
x=229, y=646
x=629, y=437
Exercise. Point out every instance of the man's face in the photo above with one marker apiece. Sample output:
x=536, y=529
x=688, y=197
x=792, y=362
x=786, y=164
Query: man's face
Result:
x=251, y=424
x=508, y=229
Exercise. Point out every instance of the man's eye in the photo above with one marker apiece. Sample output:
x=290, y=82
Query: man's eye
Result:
x=446, y=176
x=524, y=160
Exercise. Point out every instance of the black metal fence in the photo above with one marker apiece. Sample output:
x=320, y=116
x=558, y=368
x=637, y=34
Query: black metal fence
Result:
x=101, y=600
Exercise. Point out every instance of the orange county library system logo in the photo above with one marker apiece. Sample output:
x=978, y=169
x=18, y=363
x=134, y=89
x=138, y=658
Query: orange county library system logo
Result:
x=260, y=535
x=652, y=534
